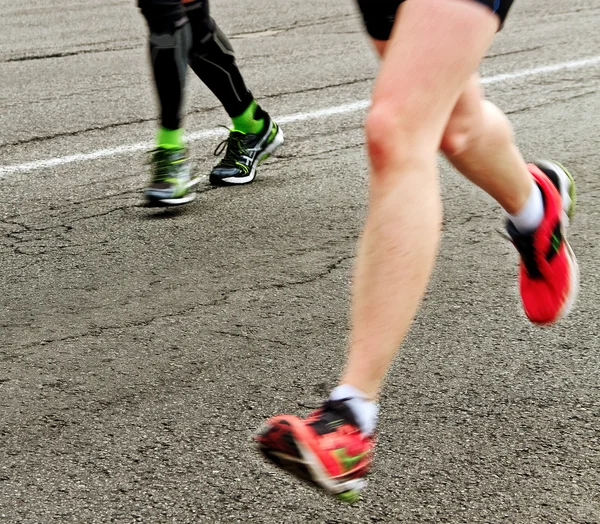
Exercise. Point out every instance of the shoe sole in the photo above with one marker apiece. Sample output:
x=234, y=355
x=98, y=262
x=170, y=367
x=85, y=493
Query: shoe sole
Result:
x=156, y=201
x=240, y=180
x=307, y=467
x=568, y=214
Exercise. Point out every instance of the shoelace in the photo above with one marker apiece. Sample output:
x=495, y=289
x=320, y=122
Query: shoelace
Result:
x=235, y=148
x=329, y=415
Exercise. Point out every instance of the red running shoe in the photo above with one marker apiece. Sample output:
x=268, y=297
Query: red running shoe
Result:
x=548, y=274
x=326, y=449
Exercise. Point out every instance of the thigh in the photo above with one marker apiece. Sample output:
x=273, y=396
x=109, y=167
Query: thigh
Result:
x=199, y=16
x=434, y=49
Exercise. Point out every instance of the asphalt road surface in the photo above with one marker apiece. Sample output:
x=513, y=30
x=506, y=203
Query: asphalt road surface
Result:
x=140, y=348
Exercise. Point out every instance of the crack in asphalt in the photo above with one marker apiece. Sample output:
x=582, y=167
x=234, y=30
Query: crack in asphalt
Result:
x=67, y=96
x=573, y=11
x=250, y=338
x=515, y=52
x=19, y=242
x=115, y=125
x=550, y=102
x=287, y=157
x=295, y=25
x=67, y=227
x=10, y=219
x=63, y=54
x=17, y=236
x=226, y=296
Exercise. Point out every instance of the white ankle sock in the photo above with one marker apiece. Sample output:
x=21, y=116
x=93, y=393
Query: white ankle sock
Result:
x=531, y=215
x=364, y=410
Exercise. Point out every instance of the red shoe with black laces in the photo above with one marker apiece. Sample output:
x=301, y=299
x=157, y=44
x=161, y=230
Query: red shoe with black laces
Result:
x=326, y=449
x=548, y=274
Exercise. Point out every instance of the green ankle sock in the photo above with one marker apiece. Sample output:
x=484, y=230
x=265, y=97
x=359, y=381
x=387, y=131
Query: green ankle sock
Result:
x=169, y=138
x=246, y=123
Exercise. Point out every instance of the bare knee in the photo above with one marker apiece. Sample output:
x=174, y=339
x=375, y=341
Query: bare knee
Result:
x=396, y=140
x=379, y=127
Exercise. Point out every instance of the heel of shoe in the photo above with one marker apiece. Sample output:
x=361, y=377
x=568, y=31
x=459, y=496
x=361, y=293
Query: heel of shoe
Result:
x=572, y=192
x=564, y=179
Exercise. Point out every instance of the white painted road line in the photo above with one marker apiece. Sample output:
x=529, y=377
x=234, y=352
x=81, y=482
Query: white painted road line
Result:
x=285, y=119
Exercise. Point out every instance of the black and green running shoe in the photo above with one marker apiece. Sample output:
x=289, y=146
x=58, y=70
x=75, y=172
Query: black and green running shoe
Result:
x=171, y=183
x=244, y=153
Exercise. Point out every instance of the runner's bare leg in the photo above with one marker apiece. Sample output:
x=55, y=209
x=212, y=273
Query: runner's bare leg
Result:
x=434, y=50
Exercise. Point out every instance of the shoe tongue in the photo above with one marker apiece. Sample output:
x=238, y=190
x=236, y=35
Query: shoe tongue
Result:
x=333, y=414
x=241, y=138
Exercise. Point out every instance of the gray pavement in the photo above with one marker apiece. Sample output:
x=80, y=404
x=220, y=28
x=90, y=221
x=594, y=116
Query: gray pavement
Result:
x=140, y=349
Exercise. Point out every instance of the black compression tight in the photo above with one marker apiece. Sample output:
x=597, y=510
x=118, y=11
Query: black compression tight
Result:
x=213, y=60
x=186, y=34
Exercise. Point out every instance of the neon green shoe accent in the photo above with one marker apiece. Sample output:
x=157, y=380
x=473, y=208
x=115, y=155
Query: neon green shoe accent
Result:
x=555, y=242
x=350, y=497
x=243, y=168
x=246, y=123
x=272, y=133
x=347, y=460
x=169, y=138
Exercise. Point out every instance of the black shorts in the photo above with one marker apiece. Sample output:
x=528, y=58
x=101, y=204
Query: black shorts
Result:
x=379, y=15
x=194, y=4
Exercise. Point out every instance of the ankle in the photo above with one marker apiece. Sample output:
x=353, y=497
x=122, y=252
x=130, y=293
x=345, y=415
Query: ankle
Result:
x=531, y=214
x=247, y=122
x=169, y=138
x=365, y=411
